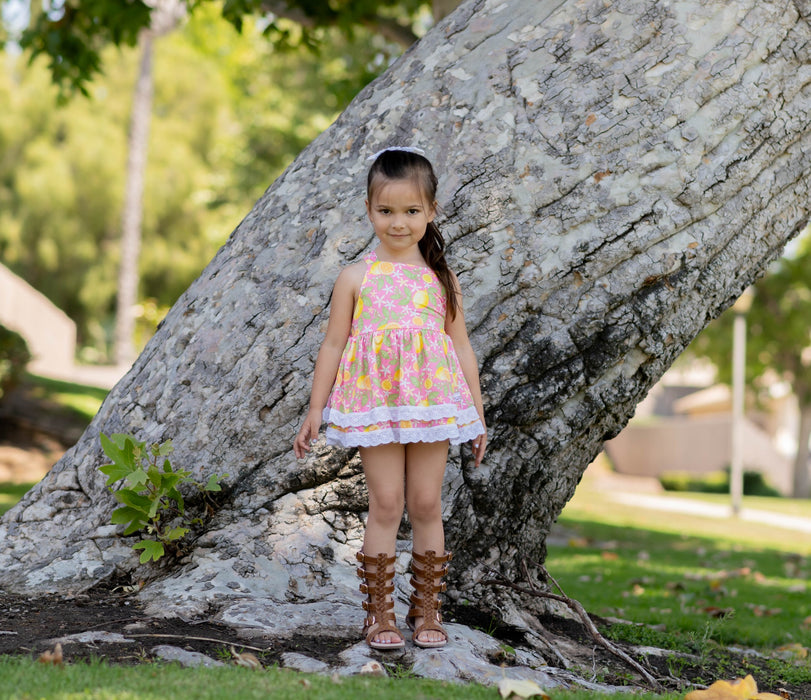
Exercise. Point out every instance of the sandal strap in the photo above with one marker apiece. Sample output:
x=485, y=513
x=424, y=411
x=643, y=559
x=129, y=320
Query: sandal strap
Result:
x=428, y=569
x=378, y=586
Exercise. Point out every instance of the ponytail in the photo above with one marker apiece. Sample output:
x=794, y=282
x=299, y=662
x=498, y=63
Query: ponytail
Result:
x=432, y=247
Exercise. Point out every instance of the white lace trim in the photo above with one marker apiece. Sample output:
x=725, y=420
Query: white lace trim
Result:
x=456, y=435
x=395, y=414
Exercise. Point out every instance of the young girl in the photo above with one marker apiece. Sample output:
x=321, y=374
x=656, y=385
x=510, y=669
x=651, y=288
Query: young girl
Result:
x=396, y=377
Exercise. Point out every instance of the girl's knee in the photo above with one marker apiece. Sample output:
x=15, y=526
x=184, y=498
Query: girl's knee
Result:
x=424, y=507
x=386, y=508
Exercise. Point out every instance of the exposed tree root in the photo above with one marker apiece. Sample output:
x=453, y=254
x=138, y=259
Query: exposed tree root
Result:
x=574, y=605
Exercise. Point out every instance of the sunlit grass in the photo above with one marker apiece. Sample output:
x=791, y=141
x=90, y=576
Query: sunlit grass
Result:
x=82, y=400
x=723, y=580
x=10, y=493
x=596, y=505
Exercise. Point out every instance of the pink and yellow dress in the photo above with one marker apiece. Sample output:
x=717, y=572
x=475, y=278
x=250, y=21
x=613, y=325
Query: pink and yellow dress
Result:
x=399, y=379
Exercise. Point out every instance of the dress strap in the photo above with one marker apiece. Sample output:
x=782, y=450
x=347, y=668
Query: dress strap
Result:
x=370, y=257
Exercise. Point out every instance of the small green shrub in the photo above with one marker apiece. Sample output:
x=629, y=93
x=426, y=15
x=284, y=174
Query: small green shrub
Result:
x=14, y=356
x=754, y=483
x=151, y=498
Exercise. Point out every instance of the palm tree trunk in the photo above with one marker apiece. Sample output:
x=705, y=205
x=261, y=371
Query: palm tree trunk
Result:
x=801, y=487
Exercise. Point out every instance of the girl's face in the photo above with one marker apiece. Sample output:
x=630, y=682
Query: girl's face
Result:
x=399, y=213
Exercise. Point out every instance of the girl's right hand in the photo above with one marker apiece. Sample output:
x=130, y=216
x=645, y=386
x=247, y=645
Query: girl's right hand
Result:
x=307, y=434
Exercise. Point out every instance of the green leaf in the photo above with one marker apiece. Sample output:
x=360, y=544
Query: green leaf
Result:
x=213, y=483
x=138, y=477
x=134, y=499
x=170, y=481
x=153, y=509
x=131, y=517
x=121, y=454
x=176, y=496
x=156, y=477
x=175, y=534
x=115, y=473
x=152, y=550
x=166, y=448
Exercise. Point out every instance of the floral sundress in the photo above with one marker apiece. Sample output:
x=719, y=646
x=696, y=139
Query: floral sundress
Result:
x=399, y=378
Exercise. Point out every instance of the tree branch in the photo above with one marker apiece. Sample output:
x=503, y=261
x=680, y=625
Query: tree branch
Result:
x=387, y=28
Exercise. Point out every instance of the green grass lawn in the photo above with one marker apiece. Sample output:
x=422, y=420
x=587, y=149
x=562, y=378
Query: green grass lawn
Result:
x=10, y=494
x=83, y=401
x=23, y=679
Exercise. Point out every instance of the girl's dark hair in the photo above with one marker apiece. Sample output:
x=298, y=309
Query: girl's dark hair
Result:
x=405, y=165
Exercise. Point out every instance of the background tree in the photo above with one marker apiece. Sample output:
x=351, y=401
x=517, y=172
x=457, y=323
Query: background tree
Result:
x=612, y=177
x=74, y=35
x=778, y=344
x=165, y=15
x=230, y=113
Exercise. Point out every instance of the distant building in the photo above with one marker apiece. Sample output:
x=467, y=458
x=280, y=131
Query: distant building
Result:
x=50, y=334
x=685, y=425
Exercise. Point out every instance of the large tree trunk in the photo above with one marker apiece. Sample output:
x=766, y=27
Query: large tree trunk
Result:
x=612, y=176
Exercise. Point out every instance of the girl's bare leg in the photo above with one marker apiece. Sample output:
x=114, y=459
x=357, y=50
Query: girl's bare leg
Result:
x=384, y=467
x=424, y=472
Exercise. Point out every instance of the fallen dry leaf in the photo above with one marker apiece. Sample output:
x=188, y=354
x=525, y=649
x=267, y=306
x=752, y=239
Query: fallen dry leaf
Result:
x=372, y=668
x=246, y=659
x=739, y=689
x=791, y=652
x=507, y=687
x=52, y=656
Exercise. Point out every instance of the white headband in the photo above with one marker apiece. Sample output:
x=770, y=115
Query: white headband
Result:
x=407, y=149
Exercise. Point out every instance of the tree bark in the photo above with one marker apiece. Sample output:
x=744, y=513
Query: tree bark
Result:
x=612, y=176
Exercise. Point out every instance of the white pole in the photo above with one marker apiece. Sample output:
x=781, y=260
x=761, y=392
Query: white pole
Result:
x=738, y=370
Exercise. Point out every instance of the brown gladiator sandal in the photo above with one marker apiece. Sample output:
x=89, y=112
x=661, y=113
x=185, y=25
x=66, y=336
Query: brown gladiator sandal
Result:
x=379, y=586
x=428, y=570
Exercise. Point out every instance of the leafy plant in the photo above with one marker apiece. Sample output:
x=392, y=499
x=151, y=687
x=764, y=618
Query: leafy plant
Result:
x=151, y=499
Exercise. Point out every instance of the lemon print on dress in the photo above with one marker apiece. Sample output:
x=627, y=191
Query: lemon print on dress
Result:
x=382, y=268
x=442, y=374
x=427, y=278
x=386, y=384
x=363, y=382
x=358, y=308
x=420, y=299
x=418, y=342
x=427, y=383
x=377, y=342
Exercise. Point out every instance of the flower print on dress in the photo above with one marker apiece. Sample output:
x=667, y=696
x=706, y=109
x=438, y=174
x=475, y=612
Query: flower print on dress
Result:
x=400, y=379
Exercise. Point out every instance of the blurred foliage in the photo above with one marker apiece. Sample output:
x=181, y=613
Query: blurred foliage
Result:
x=14, y=356
x=229, y=114
x=73, y=37
x=754, y=483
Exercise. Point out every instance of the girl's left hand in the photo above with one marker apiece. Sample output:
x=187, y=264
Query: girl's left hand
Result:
x=479, y=444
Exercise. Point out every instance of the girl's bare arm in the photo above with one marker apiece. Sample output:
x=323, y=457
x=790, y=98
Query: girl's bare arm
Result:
x=457, y=331
x=342, y=307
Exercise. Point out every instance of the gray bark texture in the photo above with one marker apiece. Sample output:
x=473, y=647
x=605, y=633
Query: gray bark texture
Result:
x=612, y=176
